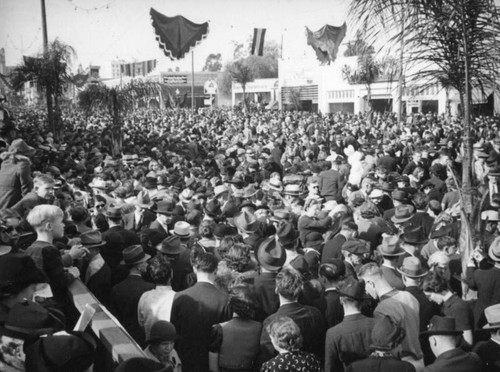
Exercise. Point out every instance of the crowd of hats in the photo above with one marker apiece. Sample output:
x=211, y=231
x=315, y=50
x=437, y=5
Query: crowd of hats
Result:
x=214, y=170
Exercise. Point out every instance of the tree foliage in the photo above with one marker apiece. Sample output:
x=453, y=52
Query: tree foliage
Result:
x=261, y=67
x=449, y=41
x=358, y=46
x=51, y=70
x=242, y=74
x=213, y=62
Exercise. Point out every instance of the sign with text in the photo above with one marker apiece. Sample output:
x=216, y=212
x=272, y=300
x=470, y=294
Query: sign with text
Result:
x=175, y=79
x=210, y=87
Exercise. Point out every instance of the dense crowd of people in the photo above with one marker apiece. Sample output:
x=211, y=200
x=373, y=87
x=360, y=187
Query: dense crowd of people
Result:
x=225, y=240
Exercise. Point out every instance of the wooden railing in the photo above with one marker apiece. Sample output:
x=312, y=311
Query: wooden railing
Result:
x=116, y=340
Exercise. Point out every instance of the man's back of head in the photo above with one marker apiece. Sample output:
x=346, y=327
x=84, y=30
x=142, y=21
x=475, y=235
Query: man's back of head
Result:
x=288, y=284
x=206, y=263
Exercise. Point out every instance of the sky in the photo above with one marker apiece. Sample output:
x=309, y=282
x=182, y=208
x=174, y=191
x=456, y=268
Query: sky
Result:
x=105, y=30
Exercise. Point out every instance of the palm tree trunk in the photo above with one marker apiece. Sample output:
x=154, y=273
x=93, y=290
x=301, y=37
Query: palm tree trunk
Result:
x=369, y=101
x=117, y=130
x=244, y=97
x=50, y=110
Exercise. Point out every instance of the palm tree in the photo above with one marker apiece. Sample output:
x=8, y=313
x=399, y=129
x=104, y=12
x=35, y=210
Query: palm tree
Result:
x=117, y=102
x=242, y=73
x=51, y=70
x=367, y=72
x=449, y=41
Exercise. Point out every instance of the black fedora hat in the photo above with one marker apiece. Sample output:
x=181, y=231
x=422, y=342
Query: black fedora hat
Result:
x=352, y=288
x=441, y=325
x=28, y=317
x=92, y=239
x=73, y=351
x=134, y=255
x=170, y=245
x=287, y=234
x=166, y=207
x=17, y=269
x=213, y=208
x=414, y=236
x=270, y=254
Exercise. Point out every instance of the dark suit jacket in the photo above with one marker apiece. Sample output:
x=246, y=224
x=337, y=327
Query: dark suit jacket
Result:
x=331, y=308
x=194, y=311
x=380, y=364
x=388, y=162
x=455, y=360
x=117, y=239
x=100, y=284
x=423, y=219
x=125, y=297
x=15, y=180
x=333, y=248
x=147, y=218
x=331, y=184
x=487, y=285
x=489, y=352
x=155, y=225
x=181, y=268
x=393, y=277
x=310, y=322
x=264, y=288
x=348, y=341
x=427, y=308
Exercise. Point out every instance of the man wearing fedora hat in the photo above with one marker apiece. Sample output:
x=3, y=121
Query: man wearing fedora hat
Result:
x=96, y=273
x=413, y=274
x=125, y=295
x=385, y=337
x=443, y=338
x=116, y=237
x=271, y=257
x=349, y=340
x=165, y=211
x=489, y=351
x=143, y=216
x=484, y=281
x=391, y=252
x=401, y=306
x=179, y=256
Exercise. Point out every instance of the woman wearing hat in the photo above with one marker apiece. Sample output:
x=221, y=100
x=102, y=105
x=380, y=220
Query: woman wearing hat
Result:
x=386, y=337
x=15, y=173
x=160, y=347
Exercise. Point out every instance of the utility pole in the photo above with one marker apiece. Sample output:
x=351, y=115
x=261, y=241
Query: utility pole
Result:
x=401, y=68
x=48, y=88
x=192, y=81
x=467, y=161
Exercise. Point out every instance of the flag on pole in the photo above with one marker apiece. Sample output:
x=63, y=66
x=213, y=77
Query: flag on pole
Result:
x=258, y=41
x=138, y=68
